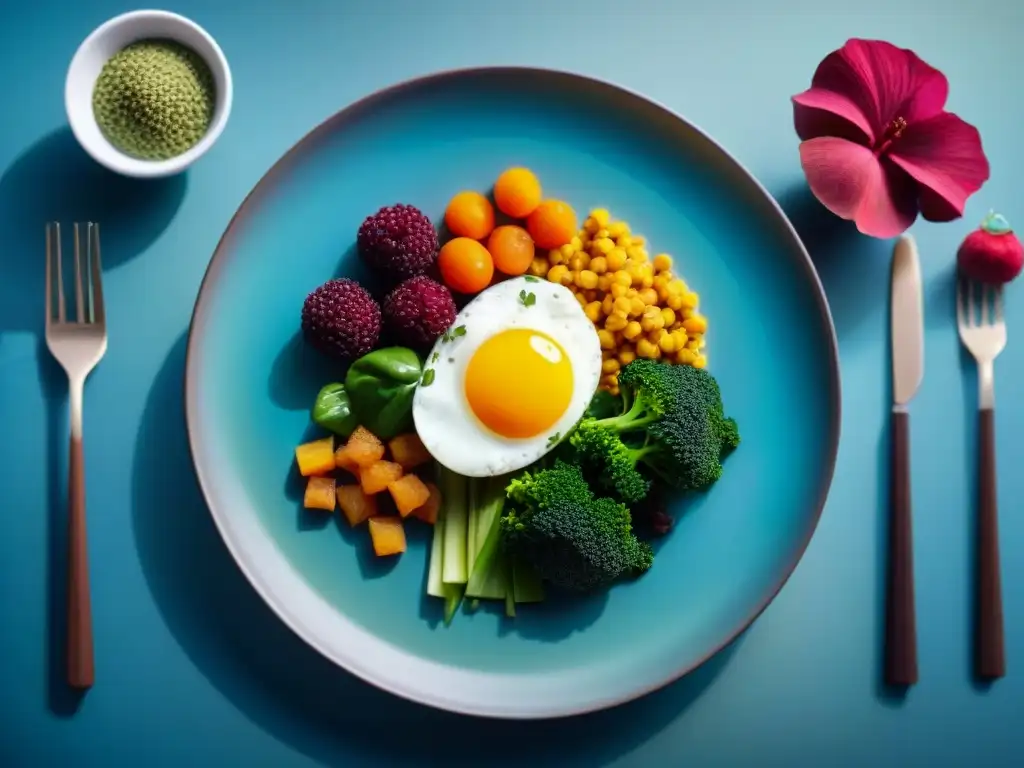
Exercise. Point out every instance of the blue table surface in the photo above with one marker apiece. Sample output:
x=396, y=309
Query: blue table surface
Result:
x=193, y=669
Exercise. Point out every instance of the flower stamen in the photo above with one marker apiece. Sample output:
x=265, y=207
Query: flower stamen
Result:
x=893, y=131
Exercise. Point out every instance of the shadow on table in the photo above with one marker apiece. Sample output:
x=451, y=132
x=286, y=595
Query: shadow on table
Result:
x=54, y=180
x=854, y=268
x=290, y=690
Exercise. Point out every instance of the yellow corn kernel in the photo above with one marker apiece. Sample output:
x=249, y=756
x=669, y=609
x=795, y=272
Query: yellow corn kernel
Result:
x=587, y=280
x=568, y=251
x=648, y=296
x=621, y=306
x=581, y=298
x=618, y=291
x=555, y=257
x=623, y=278
x=610, y=366
x=607, y=303
x=576, y=243
x=669, y=316
x=609, y=381
x=603, y=246
x=661, y=282
x=614, y=390
x=667, y=343
x=647, y=281
x=663, y=262
x=691, y=300
x=700, y=362
x=686, y=356
x=644, y=348
x=696, y=324
x=593, y=311
x=539, y=267
x=693, y=344
x=618, y=229
x=652, y=320
x=624, y=241
x=590, y=225
x=637, y=254
x=680, y=338
x=616, y=258
x=636, y=307
x=601, y=217
x=599, y=265
x=591, y=295
x=615, y=322
x=602, y=233
x=626, y=355
x=688, y=312
x=675, y=301
x=578, y=261
x=632, y=330
x=606, y=338
x=558, y=274
x=676, y=287
x=639, y=240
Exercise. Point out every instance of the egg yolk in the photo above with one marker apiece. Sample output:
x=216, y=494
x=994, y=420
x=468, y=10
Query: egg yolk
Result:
x=519, y=383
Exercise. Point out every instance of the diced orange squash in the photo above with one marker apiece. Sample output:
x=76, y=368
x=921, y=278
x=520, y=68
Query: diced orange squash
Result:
x=409, y=493
x=320, y=494
x=356, y=505
x=427, y=512
x=342, y=460
x=316, y=457
x=387, y=535
x=408, y=450
x=363, y=447
x=378, y=476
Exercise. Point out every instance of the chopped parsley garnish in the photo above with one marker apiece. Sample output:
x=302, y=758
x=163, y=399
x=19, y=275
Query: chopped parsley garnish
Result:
x=553, y=440
x=528, y=299
x=428, y=377
x=532, y=279
x=435, y=357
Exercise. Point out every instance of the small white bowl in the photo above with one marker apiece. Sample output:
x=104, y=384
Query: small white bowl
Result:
x=105, y=41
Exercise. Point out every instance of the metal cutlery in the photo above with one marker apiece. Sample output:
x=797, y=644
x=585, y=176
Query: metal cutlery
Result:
x=907, y=329
x=78, y=344
x=979, y=310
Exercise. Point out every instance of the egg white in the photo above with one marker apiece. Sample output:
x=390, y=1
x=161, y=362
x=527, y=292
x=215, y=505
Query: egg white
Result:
x=444, y=420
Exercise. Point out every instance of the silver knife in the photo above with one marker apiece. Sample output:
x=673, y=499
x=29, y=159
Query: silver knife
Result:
x=907, y=328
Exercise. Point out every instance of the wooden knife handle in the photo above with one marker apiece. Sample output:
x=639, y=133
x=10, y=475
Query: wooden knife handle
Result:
x=80, y=650
x=900, y=620
x=990, y=658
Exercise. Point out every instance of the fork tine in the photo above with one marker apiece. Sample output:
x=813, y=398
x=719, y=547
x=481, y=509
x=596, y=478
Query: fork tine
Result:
x=986, y=291
x=999, y=304
x=96, y=284
x=970, y=304
x=60, y=275
x=960, y=302
x=79, y=298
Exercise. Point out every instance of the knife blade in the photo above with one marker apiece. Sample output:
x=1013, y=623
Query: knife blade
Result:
x=907, y=321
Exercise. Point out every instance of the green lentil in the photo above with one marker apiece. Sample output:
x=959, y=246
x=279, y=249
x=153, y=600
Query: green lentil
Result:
x=154, y=99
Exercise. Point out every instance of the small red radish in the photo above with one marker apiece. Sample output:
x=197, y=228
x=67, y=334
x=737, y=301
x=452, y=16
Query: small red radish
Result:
x=991, y=253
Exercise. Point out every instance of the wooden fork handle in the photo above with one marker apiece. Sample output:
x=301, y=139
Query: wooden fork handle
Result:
x=79, y=649
x=990, y=658
x=900, y=620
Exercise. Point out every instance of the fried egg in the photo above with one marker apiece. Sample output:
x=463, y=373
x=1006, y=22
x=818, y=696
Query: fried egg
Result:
x=510, y=378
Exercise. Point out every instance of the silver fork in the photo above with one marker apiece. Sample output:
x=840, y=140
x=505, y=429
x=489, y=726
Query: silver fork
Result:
x=983, y=332
x=78, y=345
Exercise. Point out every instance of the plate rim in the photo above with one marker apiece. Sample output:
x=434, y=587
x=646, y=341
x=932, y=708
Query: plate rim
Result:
x=352, y=109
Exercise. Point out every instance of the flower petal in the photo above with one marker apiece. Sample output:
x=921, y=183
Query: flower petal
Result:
x=944, y=155
x=851, y=182
x=884, y=81
x=820, y=112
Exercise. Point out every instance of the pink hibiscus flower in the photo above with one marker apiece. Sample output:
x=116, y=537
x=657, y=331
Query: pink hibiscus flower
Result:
x=877, y=145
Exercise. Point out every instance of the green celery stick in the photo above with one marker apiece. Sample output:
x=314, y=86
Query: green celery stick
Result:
x=489, y=578
x=454, y=566
x=452, y=599
x=435, y=583
x=526, y=584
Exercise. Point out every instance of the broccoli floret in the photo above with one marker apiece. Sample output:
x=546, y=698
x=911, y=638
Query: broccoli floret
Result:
x=672, y=423
x=610, y=461
x=572, y=540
